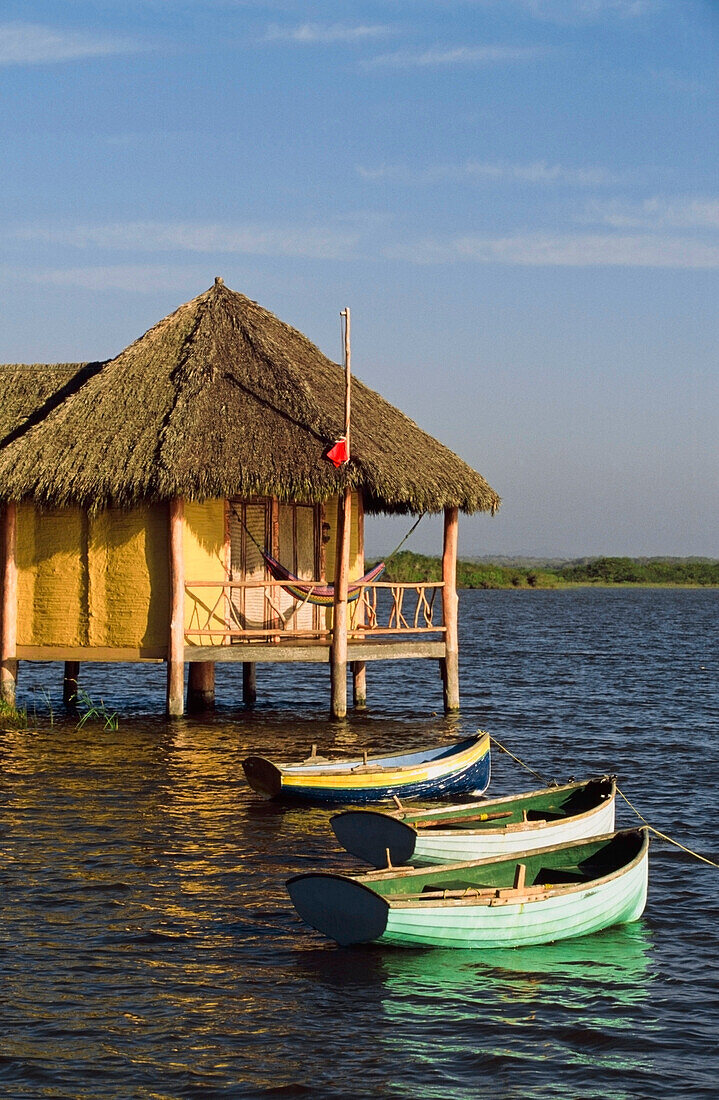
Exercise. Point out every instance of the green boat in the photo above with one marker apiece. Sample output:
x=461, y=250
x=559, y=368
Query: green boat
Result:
x=527, y=898
x=479, y=830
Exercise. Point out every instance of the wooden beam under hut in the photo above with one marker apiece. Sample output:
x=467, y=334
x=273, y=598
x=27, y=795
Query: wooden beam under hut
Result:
x=249, y=683
x=338, y=658
x=176, y=631
x=359, y=685
x=450, y=602
x=342, y=560
x=200, y=686
x=8, y=635
x=70, y=678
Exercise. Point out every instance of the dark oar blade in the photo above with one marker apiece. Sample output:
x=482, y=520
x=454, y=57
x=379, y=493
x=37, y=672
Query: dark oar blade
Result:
x=368, y=835
x=338, y=907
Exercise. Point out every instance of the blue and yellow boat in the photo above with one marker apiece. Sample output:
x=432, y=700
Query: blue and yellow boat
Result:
x=460, y=768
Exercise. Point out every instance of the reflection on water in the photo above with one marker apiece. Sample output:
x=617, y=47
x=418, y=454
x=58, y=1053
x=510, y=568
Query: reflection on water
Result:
x=616, y=960
x=487, y=1008
x=148, y=947
x=591, y=980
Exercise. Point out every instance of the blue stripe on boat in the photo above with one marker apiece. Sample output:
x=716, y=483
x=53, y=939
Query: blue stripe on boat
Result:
x=474, y=778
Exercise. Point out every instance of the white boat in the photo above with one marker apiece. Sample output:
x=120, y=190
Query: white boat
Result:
x=479, y=830
x=527, y=898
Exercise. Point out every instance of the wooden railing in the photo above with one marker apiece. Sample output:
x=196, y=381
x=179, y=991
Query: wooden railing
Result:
x=382, y=608
x=402, y=615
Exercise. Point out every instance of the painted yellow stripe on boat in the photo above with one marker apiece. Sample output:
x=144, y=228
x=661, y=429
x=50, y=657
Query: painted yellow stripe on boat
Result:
x=400, y=776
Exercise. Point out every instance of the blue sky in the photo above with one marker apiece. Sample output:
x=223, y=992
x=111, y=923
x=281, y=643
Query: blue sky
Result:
x=518, y=199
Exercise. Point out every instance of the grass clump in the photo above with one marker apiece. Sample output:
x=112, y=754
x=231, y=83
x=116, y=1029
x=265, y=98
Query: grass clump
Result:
x=12, y=716
x=95, y=712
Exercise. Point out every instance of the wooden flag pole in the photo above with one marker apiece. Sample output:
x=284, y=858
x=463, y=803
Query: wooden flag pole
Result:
x=338, y=658
x=348, y=377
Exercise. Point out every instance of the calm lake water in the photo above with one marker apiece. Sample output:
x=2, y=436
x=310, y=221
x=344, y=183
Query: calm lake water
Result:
x=148, y=947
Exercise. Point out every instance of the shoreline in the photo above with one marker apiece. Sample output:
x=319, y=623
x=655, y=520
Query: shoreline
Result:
x=565, y=586
x=525, y=574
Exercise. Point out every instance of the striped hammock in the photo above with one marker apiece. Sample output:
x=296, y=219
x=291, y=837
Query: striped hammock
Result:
x=322, y=594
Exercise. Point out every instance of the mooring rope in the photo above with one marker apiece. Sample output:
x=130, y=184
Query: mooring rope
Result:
x=651, y=828
x=503, y=748
x=664, y=835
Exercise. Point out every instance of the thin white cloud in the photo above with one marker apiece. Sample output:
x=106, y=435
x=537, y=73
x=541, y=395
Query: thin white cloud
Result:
x=131, y=278
x=317, y=243
x=564, y=250
x=580, y=11
x=312, y=34
x=450, y=56
x=657, y=213
x=539, y=172
x=34, y=44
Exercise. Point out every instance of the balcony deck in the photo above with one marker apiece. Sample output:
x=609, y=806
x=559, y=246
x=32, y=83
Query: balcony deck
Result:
x=387, y=621
x=318, y=652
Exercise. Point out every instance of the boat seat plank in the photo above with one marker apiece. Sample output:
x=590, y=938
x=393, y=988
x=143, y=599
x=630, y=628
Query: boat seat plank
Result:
x=469, y=821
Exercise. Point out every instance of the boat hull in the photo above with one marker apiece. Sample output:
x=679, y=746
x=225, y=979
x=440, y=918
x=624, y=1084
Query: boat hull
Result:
x=520, y=925
x=362, y=909
x=461, y=769
x=370, y=835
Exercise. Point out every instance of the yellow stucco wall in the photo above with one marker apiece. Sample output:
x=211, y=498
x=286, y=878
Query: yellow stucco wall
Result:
x=52, y=577
x=98, y=581
x=356, y=560
x=101, y=581
x=204, y=549
x=127, y=578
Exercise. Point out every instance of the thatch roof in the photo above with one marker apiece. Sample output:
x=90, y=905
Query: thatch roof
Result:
x=30, y=391
x=219, y=399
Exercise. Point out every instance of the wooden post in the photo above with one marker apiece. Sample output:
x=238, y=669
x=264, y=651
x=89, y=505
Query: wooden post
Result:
x=8, y=637
x=69, y=684
x=359, y=685
x=359, y=668
x=450, y=662
x=200, y=686
x=520, y=874
x=249, y=683
x=176, y=636
x=338, y=650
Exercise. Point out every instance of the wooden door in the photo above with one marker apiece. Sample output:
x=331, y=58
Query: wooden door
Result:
x=250, y=529
x=297, y=548
x=297, y=551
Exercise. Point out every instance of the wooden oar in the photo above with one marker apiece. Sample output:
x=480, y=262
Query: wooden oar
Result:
x=460, y=820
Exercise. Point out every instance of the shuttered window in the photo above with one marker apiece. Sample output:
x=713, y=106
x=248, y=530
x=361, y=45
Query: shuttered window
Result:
x=296, y=539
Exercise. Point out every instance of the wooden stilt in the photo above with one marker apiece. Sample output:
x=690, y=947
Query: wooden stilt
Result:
x=249, y=683
x=8, y=630
x=359, y=685
x=450, y=663
x=200, y=686
x=338, y=650
x=359, y=668
x=69, y=684
x=176, y=637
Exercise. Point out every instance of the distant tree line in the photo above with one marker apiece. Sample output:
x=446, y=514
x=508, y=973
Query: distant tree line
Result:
x=643, y=571
x=413, y=568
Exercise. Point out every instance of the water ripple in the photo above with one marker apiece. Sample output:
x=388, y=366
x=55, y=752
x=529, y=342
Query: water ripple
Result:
x=148, y=947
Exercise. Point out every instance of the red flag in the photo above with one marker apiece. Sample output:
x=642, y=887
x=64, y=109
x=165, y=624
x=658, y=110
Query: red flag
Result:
x=338, y=453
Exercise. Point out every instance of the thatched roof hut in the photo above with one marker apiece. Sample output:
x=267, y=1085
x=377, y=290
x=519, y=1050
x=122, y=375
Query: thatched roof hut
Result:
x=30, y=391
x=220, y=398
